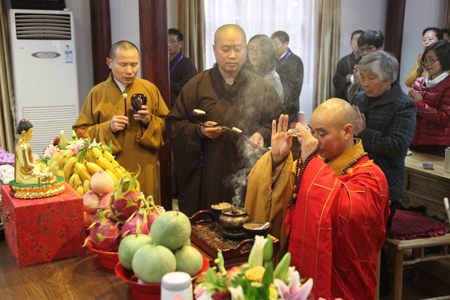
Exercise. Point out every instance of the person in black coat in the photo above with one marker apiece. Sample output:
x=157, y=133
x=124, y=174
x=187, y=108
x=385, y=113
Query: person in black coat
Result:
x=290, y=69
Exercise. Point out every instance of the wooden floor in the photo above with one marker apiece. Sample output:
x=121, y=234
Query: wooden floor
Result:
x=433, y=281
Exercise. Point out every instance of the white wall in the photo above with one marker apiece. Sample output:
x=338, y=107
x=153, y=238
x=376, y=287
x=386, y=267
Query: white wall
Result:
x=361, y=14
x=82, y=18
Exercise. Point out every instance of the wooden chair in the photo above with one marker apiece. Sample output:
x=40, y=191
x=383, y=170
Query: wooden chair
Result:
x=417, y=245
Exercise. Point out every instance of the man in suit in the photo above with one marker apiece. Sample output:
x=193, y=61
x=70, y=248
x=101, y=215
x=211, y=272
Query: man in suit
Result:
x=290, y=69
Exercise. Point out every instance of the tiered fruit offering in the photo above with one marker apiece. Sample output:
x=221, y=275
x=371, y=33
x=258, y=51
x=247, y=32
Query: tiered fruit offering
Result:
x=78, y=160
x=114, y=212
x=167, y=250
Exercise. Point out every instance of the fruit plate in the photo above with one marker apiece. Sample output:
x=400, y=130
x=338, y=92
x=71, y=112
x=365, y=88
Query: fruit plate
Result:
x=107, y=259
x=147, y=291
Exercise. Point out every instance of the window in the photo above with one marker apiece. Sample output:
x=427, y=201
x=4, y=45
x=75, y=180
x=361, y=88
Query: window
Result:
x=297, y=17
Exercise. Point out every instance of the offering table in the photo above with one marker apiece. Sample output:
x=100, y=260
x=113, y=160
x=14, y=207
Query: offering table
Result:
x=80, y=277
x=424, y=187
x=206, y=236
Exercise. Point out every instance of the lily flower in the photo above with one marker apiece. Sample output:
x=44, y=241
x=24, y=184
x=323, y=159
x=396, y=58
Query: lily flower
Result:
x=256, y=254
x=236, y=293
x=295, y=290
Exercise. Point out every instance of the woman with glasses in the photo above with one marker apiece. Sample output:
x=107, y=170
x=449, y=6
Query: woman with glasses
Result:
x=430, y=35
x=432, y=96
x=385, y=123
x=261, y=59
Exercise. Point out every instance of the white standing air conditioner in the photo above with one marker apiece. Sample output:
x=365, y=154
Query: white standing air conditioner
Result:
x=44, y=72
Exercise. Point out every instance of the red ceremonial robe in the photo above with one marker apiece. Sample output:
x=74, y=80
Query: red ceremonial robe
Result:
x=338, y=226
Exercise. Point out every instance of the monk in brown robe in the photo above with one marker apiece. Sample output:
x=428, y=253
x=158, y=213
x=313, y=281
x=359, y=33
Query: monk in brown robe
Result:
x=107, y=115
x=206, y=157
x=336, y=202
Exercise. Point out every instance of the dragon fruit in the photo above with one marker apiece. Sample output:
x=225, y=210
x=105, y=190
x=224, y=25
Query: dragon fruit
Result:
x=104, y=233
x=123, y=205
x=154, y=211
x=141, y=221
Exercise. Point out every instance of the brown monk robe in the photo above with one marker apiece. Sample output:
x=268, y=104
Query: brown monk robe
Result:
x=205, y=157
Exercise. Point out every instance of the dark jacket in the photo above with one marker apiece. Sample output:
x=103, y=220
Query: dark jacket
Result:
x=390, y=128
x=344, y=67
x=291, y=75
x=433, y=113
x=180, y=74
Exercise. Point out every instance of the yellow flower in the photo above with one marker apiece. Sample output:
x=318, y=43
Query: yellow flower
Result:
x=273, y=294
x=255, y=274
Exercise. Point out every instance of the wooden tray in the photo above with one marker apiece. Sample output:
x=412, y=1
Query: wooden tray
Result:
x=207, y=237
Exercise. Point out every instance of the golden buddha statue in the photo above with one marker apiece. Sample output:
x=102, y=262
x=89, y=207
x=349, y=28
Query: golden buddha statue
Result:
x=26, y=170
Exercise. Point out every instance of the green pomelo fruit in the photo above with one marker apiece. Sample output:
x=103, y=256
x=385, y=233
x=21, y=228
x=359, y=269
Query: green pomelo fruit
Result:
x=150, y=264
x=128, y=247
x=171, y=229
x=189, y=260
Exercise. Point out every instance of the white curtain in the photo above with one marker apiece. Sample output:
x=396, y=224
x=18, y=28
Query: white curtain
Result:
x=297, y=17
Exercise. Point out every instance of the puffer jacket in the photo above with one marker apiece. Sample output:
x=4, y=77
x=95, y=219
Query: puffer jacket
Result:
x=433, y=113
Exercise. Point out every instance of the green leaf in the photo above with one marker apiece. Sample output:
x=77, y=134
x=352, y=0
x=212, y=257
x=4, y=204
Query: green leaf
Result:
x=268, y=274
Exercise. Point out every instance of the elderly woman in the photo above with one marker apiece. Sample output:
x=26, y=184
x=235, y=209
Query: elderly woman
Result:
x=261, y=60
x=430, y=35
x=385, y=123
x=432, y=97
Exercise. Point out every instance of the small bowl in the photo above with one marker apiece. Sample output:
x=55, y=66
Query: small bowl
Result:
x=251, y=229
x=107, y=259
x=148, y=291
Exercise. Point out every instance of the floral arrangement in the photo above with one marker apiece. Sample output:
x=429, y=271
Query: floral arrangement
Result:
x=256, y=279
x=80, y=140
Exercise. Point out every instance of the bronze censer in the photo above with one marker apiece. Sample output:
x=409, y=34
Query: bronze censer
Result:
x=232, y=220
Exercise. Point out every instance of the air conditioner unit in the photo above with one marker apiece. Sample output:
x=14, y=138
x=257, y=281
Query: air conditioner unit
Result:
x=44, y=72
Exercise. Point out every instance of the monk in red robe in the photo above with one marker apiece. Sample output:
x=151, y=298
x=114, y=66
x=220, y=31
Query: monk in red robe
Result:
x=338, y=207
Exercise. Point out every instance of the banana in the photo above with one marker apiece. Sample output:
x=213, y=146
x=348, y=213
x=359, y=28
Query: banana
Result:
x=105, y=164
x=60, y=172
x=56, y=169
x=75, y=180
x=97, y=153
x=53, y=164
x=87, y=185
x=118, y=172
x=68, y=167
x=108, y=156
x=54, y=157
x=114, y=178
x=90, y=156
x=123, y=169
x=80, y=190
x=65, y=157
x=82, y=171
x=92, y=167
x=115, y=163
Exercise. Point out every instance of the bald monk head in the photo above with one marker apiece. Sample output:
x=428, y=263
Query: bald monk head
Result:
x=332, y=124
x=230, y=50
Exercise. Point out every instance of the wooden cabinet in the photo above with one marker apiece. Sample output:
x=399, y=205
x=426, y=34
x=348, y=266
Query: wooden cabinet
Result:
x=423, y=187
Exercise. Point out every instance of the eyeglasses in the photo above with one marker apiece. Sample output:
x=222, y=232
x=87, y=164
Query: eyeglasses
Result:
x=171, y=42
x=253, y=51
x=368, y=49
x=428, y=61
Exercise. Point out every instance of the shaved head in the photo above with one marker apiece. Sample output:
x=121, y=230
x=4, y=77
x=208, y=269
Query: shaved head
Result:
x=228, y=28
x=337, y=111
x=332, y=124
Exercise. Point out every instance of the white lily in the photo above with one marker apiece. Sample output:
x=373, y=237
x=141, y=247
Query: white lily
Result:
x=236, y=293
x=256, y=254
